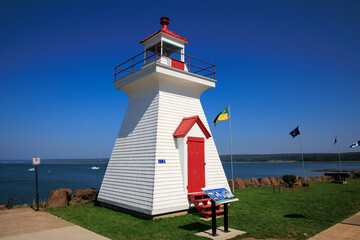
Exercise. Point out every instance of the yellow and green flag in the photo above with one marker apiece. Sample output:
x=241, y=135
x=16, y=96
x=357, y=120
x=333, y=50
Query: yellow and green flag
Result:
x=224, y=115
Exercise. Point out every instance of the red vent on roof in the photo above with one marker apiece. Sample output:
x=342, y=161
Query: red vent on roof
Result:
x=164, y=21
x=187, y=123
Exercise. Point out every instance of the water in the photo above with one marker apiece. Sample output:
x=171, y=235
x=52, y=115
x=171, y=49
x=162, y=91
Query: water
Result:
x=279, y=169
x=18, y=182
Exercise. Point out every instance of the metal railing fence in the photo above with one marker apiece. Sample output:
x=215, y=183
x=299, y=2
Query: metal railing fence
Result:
x=193, y=65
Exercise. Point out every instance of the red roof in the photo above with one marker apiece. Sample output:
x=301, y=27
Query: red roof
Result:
x=187, y=123
x=168, y=32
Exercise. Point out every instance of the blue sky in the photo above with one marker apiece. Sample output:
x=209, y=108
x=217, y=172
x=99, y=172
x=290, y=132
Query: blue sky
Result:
x=279, y=64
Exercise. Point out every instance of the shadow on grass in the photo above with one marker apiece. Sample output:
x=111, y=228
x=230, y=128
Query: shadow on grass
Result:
x=198, y=227
x=294, y=215
x=350, y=191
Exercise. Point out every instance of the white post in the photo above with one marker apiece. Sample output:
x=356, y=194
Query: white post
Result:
x=231, y=161
x=302, y=158
x=337, y=143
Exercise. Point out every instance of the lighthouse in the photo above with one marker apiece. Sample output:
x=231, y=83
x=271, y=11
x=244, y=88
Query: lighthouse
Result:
x=164, y=150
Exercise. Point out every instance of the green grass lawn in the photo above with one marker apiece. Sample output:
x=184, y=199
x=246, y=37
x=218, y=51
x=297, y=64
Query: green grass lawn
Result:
x=262, y=213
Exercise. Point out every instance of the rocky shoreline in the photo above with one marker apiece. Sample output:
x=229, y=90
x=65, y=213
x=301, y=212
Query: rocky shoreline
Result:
x=273, y=181
x=63, y=197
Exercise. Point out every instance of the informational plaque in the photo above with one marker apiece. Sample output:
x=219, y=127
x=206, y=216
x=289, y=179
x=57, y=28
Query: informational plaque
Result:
x=220, y=195
x=36, y=161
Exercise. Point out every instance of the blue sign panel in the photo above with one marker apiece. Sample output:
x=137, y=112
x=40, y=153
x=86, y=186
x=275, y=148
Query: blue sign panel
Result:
x=161, y=161
x=220, y=195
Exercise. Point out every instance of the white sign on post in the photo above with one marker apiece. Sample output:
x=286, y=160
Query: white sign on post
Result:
x=36, y=161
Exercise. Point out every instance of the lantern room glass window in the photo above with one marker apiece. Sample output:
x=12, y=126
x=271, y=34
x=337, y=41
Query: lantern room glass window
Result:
x=163, y=48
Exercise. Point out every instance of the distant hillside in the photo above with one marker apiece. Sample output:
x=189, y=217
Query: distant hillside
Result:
x=309, y=157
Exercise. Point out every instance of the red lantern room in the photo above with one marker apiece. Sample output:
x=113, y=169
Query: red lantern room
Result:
x=168, y=45
x=168, y=48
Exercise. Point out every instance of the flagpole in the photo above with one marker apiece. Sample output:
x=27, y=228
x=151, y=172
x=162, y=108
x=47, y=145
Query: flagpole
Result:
x=302, y=158
x=337, y=143
x=231, y=161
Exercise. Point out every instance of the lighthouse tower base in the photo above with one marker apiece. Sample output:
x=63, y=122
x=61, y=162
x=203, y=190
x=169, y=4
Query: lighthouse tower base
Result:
x=148, y=168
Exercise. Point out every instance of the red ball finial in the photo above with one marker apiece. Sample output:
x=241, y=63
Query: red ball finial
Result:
x=164, y=21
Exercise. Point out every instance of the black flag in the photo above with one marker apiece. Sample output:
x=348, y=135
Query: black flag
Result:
x=295, y=132
x=335, y=141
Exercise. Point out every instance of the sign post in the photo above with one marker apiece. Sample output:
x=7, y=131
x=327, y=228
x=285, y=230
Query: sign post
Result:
x=213, y=218
x=220, y=196
x=36, y=161
x=226, y=220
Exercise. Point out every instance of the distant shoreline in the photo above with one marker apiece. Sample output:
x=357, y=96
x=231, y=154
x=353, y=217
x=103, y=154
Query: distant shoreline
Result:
x=236, y=158
x=106, y=162
x=75, y=162
x=292, y=161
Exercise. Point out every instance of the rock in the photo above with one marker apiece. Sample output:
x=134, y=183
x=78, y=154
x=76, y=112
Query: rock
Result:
x=2, y=207
x=25, y=205
x=281, y=181
x=229, y=182
x=355, y=174
x=298, y=181
x=326, y=178
x=265, y=182
x=317, y=179
x=274, y=181
x=248, y=183
x=239, y=183
x=310, y=179
x=83, y=196
x=255, y=182
x=59, y=197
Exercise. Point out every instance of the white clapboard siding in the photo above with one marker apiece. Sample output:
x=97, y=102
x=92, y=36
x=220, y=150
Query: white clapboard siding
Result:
x=172, y=193
x=129, y=177
x=134, y=179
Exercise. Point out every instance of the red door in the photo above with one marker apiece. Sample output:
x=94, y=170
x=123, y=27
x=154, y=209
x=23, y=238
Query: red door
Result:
x=196, y=166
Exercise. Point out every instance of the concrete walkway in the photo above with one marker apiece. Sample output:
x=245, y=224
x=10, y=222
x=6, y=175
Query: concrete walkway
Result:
x=349, y=229
x=25, y=223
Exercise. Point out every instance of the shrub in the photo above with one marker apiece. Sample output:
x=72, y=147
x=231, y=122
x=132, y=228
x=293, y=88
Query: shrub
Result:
x=305, y=184
x=356, y=175
x=9, y=203
x=289, y=180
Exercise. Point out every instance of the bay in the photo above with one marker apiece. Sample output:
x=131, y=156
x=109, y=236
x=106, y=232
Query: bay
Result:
x=16, y=181
x=19, y=183
x=248, y=170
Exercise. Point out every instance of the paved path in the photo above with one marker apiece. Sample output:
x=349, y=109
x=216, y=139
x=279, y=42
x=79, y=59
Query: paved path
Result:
x=348, y=229
x=25, y=223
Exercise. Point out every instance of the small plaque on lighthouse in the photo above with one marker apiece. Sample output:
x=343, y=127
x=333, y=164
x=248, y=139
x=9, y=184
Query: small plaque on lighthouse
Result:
x=161, y=161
